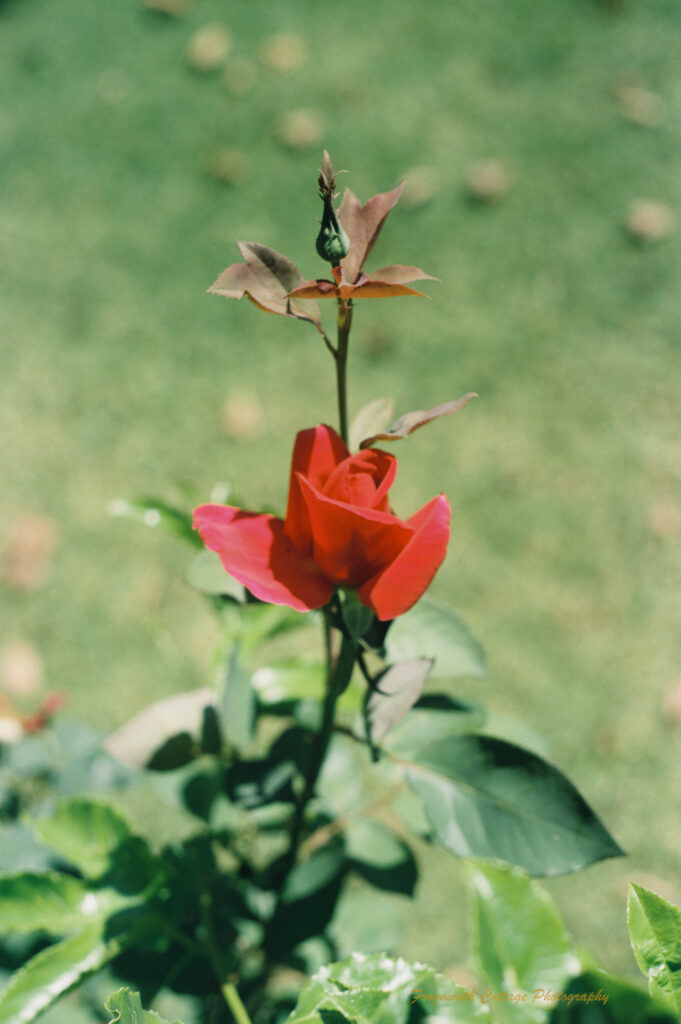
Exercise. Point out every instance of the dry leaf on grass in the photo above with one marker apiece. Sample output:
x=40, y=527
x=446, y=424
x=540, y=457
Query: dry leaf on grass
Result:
x=27, y=551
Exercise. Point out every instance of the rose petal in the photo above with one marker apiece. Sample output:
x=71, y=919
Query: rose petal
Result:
x=350, y=545
x=363, y=480
x=255, y=551
x=316, y=453
x=394, y=589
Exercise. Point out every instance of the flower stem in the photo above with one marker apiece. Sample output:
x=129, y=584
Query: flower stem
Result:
x=341, y=357
x=338, y=677
x=233, y=1000
x=228, y=989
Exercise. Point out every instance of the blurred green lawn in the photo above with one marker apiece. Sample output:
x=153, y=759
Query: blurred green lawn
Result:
x=565, y=475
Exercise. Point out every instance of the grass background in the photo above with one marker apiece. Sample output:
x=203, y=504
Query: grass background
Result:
x=115, y=366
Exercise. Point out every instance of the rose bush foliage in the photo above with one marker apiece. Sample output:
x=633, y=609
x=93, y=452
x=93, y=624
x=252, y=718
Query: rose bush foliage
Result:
x=338, y=531
x=281, y=763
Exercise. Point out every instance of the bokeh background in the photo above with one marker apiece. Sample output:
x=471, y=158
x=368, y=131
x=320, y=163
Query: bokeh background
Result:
x=541, y=144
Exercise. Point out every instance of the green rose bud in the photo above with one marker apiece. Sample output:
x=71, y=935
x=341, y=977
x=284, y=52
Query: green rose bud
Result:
x=332, y=241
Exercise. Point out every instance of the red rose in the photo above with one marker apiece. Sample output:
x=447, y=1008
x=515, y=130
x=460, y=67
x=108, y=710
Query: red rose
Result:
x=338, y=531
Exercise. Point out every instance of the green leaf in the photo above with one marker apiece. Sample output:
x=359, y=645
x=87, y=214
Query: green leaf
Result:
x=294, y=679
x=517, y=731
x=151, y=738
x=366, y=919
x=431, y=629
x=305, y=918
x=174, y=753
x=252, y=624
x=487, y=798
x=85, y=832
x=52, y=902
x=410, y=811
x=519, y=941
x=207, y=574
x=55, y=970
x=356, y=616
x=595, y=997
x=373, y=843
x=201, y=791
x=655, y=932
x=143, y=737
x=20, y=849
x=126, y=1007
x=237, y=703
x=344, y=667
x=211, y=737
x=313, y=874
x=153, y=513
x=341, y=780
x=259, y=782
x=378, y=988
x=434, y=719
x=371, y=419
x=380, y=856
x=399, y=687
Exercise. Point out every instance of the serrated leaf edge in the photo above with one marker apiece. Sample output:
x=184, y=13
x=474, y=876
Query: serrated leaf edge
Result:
x=117, y=1013
x=671, y=999
x=102, y=953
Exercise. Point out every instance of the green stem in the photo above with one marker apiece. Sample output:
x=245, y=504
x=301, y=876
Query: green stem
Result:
x=233, y=1000
x=227, y=988
x=341, y=357
x=338, y=677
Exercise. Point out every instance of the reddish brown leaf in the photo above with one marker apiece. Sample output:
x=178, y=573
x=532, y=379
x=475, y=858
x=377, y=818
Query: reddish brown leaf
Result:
x=209, y=48
x=671, y=706
x=300, y=128
x=318, y=289
x=412, y=421
x=242, y=415
x=363, y=225
x=28, y=548
x=266, y=278
x=284, y=52
x=366, y=286
x=21, y=669
x=372, y=289
x=399, y=274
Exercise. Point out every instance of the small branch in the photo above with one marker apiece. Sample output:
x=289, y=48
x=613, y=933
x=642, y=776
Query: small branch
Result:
x=318, y=327
x=325, y=834
x=328, y=344
x=364, y=668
